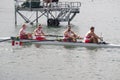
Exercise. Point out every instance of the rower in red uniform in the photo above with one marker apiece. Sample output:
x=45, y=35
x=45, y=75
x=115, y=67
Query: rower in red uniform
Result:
x=39, y=34
x=23, y=34
x=91, y=37
x=70, y=36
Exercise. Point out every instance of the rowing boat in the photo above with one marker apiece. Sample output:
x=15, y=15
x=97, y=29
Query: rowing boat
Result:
x=62, y=43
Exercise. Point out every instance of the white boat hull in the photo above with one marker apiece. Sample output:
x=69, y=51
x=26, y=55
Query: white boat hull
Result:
x=79, y=44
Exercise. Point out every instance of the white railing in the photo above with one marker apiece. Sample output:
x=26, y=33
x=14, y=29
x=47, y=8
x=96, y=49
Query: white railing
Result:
x=40, y=4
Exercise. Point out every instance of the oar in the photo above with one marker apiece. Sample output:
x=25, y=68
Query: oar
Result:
x=53, y=35
x=5, y=39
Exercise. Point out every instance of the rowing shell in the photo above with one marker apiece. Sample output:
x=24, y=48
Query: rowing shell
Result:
x=79, y=44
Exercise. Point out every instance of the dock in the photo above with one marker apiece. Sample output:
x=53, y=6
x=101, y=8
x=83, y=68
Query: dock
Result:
x=55, y=12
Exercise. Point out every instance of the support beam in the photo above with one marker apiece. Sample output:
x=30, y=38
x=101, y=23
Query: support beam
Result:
x=74, y=14
x=15, y=17
x=36, y=18
x=25, y=18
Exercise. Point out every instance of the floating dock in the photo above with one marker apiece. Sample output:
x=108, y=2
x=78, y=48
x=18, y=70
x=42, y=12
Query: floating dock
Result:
x=55, y=12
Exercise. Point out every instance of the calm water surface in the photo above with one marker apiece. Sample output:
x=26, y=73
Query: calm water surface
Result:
x=58, y=62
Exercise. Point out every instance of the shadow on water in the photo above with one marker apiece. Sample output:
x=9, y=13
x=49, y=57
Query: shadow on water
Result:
x=92, y=48
x=37, y=45
x=87, y=48
x=70, y=47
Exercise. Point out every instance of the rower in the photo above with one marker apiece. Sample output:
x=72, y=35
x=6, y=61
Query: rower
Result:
x=23, y=34
x=70, y=36
x=91, y=37
x=39, y=34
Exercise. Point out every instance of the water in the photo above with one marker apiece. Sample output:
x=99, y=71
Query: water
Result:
x=58, y=62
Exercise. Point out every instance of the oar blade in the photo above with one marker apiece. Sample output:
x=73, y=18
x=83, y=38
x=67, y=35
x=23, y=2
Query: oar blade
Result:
x=3, y=39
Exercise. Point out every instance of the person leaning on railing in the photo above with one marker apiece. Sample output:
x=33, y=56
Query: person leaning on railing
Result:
x=31, y=4
x=50, y=1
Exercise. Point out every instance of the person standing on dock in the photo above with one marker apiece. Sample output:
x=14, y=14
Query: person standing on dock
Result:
x=23, y=34
x=91, y=37
x=70, y=36
x=39, y=34
x=50, y=1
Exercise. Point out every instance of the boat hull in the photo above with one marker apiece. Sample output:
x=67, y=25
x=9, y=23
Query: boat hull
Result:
x=78, y=44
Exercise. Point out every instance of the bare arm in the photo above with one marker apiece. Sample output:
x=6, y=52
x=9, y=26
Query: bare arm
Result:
x=97, y=36
x=65, y=33
x=43, y=33
x=77, y=36
x=73, y=33
x=21, y=32
x=35, y=32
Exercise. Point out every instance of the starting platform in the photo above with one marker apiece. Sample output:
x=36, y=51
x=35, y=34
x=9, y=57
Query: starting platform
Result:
x=55, y=12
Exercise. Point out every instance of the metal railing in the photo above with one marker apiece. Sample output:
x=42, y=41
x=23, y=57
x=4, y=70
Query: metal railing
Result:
x=41, y=4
